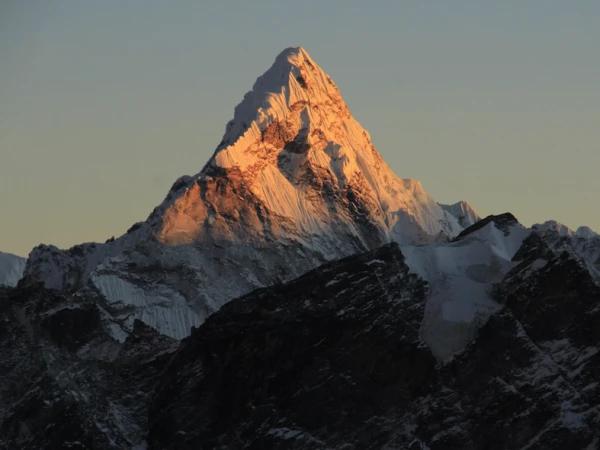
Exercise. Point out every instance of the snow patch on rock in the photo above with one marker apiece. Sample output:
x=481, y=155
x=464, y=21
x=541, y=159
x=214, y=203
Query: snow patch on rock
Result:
x=11, y=269
x=461, y=275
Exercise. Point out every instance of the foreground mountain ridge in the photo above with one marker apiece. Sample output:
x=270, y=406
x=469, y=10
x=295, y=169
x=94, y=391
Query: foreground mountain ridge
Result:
x=295, y=182
x=360, y=376
x=333, y=359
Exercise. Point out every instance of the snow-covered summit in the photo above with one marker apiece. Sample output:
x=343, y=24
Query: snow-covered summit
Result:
x=295, y=182
x=552, y=226
x=295, y=146
x=293, y=77
x=464, y=212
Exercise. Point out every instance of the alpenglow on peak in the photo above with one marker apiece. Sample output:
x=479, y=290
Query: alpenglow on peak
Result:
x=293, y=77
x=293, y=139
x=292, y=97
x=295, y=182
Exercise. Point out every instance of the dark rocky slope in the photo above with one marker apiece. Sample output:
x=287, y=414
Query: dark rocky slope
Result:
x=334, y=360
x=307, y=364
x=64, y=383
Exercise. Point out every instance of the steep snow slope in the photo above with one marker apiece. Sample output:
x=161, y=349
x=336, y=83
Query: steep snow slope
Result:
x=296, y=181
x=11, y=269
x=461, y=275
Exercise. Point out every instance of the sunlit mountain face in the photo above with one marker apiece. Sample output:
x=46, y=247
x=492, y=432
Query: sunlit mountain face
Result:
x=295, y=182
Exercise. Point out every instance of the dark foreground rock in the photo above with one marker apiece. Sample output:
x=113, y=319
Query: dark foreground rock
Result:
x=64, y=383
x=333, y=359
x=317, y=361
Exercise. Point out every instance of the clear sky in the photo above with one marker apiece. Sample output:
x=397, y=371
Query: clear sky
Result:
x=103, y=104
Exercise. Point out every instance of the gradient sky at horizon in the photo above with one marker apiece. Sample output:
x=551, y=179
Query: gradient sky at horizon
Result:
x=104, y=104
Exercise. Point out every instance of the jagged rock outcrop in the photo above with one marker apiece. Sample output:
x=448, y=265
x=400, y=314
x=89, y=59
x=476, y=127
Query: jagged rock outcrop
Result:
x=582, y=244
x=64, y=382
x=301, y=365
x=334, y=360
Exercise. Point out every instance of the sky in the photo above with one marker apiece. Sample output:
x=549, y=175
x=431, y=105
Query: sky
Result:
x=103, y=104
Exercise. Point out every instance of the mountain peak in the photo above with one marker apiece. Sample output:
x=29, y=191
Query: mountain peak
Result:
x=293, y=55
x=295, y=182
x=464, y=212
x=295, y=147
x=502, y=221
x=290, y=94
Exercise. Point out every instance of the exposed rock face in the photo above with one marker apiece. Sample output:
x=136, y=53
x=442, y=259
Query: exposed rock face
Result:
x=295, y=182
x=338, y=358
x=334, y=360
x=582, y=244
x=301, y=365
x=64, y=383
